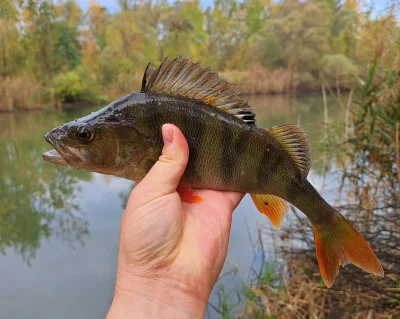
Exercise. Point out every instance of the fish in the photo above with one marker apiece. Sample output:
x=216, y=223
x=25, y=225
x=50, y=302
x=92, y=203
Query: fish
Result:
x=227, y=152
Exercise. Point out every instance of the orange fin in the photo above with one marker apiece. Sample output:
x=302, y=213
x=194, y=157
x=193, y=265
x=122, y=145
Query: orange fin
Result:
x=338, y=243
x=271, y=206
x=187, y=194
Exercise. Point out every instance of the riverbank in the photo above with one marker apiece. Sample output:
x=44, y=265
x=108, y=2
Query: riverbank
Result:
x=74, y=90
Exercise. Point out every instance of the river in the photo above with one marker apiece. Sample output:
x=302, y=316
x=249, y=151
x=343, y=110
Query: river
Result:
x=59, y=227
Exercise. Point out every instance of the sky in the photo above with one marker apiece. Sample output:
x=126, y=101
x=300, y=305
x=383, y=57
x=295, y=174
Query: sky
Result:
x=112, y=5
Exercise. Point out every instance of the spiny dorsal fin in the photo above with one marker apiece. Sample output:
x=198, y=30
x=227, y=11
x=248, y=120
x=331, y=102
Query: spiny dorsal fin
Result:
x=147, y=75
x=272, y=206
x=294, y=140
x=182, y=77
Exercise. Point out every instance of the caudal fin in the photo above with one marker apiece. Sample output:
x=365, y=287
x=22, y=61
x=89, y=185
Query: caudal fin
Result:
x=338, y=243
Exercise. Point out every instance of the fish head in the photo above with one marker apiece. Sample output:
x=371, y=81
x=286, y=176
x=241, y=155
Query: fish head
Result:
x=104, y=142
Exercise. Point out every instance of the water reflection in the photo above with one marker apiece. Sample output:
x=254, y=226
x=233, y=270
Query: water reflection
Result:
x=37, y=200
x=306, y=111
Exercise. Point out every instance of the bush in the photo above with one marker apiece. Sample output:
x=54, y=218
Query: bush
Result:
x=76, y=85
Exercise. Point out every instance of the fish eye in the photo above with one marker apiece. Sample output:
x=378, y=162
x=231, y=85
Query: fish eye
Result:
x=84, y=134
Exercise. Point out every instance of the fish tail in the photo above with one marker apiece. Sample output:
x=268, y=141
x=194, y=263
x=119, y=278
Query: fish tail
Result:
x=338, y=243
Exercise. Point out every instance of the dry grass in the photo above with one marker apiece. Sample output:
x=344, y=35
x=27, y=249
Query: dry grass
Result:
x=354, y=295
x=124, y=84
x=298, y=292
x=23, y=93
x=257, y=80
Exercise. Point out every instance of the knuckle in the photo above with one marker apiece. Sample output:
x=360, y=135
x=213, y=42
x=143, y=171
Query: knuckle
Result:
x=164, y=159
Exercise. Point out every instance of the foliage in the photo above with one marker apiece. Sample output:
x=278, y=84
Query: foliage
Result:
x=372, y=140
x=249, y=300
x=75, y=85
x=371, y=180
x=295, y=41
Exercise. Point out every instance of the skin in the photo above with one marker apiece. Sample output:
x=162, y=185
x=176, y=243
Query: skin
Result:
x=170, y=252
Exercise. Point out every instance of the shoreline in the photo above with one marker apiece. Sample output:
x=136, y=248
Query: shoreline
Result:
x=84, y=104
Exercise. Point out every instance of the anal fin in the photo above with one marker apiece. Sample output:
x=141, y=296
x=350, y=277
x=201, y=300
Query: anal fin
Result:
x=272, y=206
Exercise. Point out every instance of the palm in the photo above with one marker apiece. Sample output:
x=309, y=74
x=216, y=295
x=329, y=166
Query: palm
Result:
x=206, y=233
x=166, y=239
x=182, y=241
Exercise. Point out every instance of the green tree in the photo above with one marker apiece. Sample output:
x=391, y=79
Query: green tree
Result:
x=39, y=37
x=256, y=15
x=67, y=52
x=303, y=28
x=228, y=34
x=8, y=36
x=183, y=31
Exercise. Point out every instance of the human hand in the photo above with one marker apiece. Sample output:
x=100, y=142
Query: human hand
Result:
x=171, y=251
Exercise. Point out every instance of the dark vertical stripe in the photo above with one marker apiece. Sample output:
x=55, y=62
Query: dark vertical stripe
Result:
x=196, y=126
x=241, y=142
x=232, y=149
x=269, y=165
x=155, y=122
x=226, y=158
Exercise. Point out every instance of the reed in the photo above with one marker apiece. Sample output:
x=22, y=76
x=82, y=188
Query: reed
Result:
x=23, y=93
x=123, y=84
x=369, y=152
x=258, y=80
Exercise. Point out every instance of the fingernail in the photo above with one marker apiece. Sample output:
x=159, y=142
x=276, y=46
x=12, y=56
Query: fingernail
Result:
x=168, y=135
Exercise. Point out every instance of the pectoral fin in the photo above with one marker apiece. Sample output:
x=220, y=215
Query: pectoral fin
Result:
x=187, y=194
x=272, y=206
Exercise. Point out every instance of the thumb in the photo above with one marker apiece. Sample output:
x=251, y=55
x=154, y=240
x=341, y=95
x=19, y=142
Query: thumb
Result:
x=164, y=176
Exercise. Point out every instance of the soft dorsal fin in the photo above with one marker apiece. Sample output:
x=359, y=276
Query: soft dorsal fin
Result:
x=182, y=77
x=294, y=140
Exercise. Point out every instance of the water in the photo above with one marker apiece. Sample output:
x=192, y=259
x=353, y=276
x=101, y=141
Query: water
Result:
x=59, y=227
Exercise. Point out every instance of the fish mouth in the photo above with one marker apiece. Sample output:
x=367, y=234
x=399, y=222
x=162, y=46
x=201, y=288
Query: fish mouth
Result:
x=54, y=157
x=61, y=154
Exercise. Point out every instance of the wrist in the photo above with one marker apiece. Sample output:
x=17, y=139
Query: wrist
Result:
x=138, y=297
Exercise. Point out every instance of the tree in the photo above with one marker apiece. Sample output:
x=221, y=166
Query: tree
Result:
x=93, y=36
x=303, y=28
x=8, y=36
x=39, y=34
